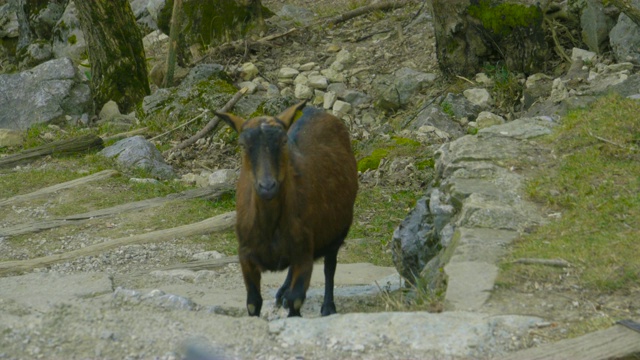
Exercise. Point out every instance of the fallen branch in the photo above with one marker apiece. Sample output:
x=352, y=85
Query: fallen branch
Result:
x=382, y=6
x=104, y=174
x=611, y=142
x=203, y=113
x=68, y=146
x=127, y=134
x=213, y=123
x=209, y=193
x=215, y=224
x=547, y=262
x=209, y=264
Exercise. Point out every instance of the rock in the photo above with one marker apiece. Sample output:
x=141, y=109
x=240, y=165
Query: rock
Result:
x=318, y=97
x=625, y=40
x=460, y=107
x=452, y=335
x=333, y=48
x=391, y=93
x=356, y=98
x=339, y=89
x=109, y=111
x=596, y=25
x=434, y=116
x=479, y=97
x=248, y=71
x=137, y=152
x=307, y=66
x=341, y=107
x=486, y=119
x=222, y=176
x=69, y=39
x=296, y=14
x=333, y=75
x=250, y=85
x=303, y=92
x=318, y=82
x=155, y=7
x=483, y=79
x=580, y=54
x=301, y=79
x=36, y=53
x=413, y=243
x=537, y=87
x=329, y=99
x=559, y=91
x=207, y=255
x=9, y=27
x=10, y=138
x=344, y=57
x=287, y=73
x=47, y=93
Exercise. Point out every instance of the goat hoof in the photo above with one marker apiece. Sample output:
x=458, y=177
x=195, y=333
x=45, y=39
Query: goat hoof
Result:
x=328, y=309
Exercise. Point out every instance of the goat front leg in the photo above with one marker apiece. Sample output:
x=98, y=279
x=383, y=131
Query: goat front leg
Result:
x=280, y=294
x=330, y=263
x=297, y=292
x=252, y=276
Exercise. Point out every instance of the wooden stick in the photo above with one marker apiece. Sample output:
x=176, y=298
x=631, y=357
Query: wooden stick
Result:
x=127, y=134
x=104, y=174
x=548, y=262
x=210, y=192
x=213, y=123
x=611, y=142
x=385, y=5
x=210, y=264
x=68, y=146
x=203, y=113
x=215, y=224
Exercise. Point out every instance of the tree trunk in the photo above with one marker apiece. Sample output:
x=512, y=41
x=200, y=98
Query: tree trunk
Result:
x=118, y=68
x=208, y=23
x=472, y=33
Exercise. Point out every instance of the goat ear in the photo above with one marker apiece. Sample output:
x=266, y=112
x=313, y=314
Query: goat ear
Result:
x=235, y=122
x=289, y=116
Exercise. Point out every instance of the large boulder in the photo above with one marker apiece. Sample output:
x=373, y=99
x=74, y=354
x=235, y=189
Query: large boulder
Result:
x=137, y=152
x=625, y=39
x=68, y=38
x=47, y=93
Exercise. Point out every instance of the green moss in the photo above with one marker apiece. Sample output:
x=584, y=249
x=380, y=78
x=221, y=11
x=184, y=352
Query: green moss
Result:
x=372, y=161
x=505, y=17
x=426, y=164
x=405, y=142
x=447, y=108
x=72, y=39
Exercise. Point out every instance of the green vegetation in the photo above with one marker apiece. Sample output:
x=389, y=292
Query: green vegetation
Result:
x=502, y=19
x=506, y=90
x=595, y=186
x=372, y=161
x=398, y=146
x=377, y=213
x=447, y=108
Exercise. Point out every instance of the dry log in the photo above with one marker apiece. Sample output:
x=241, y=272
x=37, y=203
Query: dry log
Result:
x=127, y=134
x=384, y=5
x=104, y=174
x=616, y=342
x=218, y=223
x=68, y=146
x=213, y=123
x=210, y=192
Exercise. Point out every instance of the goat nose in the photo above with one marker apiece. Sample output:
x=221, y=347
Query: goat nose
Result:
x=267, y=185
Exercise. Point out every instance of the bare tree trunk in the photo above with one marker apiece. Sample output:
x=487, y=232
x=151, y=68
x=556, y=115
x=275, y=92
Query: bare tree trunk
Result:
x=118, y=69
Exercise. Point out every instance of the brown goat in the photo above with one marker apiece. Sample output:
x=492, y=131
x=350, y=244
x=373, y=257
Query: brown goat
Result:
x=295, y=196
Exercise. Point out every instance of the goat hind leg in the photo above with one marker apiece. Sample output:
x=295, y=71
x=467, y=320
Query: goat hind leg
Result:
x=280, y=299
x=330, y=263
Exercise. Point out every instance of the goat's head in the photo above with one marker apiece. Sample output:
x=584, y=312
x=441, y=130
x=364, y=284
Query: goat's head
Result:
x=264, y=145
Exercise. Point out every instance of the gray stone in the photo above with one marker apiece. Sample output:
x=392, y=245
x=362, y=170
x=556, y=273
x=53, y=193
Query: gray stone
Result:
x=9, y=27
x=596, y=25
x=442, y=336
x=307, y=66
x=434, y=116
x=318, y=82
x=460, y=106
x=580, y=54
x=44, y=94
x=301, y=79
x=296, y=14
x=329, y=99
x=356, y=98
x=341, y=107
x=486, y=119
x=303, y=92
x=469, y=284
x=10, y=138
x=287, y=73
x=69, y=39
x=248, y=71
x=344, y=57
x=249, y=85
x=109, y=111
x=625, y=39
x=484, y=211
x=36, y=53
x=223, y=176
x=340, y=89
x=536, y=88
x=479, y=97
x=333, y=75
x=523, y=128
x=137, y=152
x=155, y=7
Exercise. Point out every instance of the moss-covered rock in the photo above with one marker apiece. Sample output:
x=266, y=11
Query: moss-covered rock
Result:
x=503, y=18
